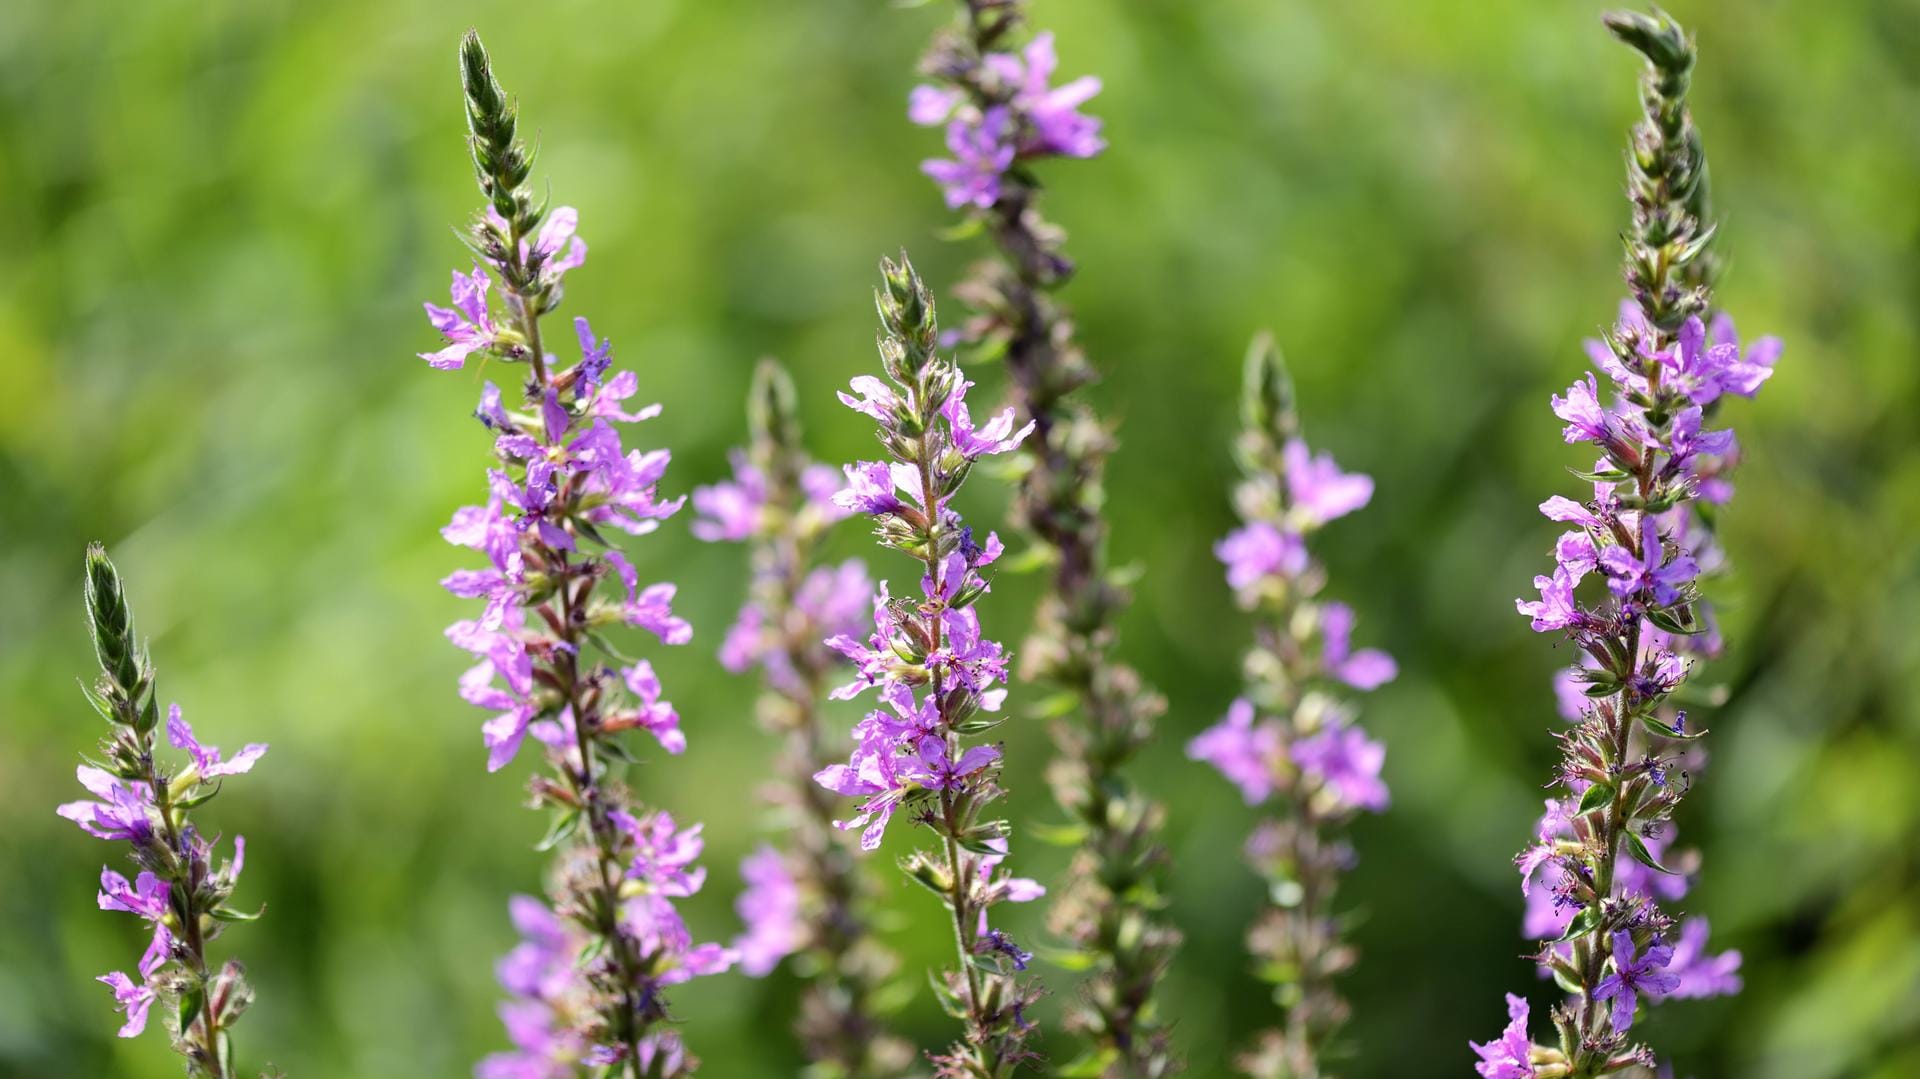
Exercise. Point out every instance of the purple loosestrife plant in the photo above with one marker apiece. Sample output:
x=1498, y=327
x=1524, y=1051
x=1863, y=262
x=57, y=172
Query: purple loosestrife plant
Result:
x=588, y=986
x=1291, y=741
x=1601, y=863
x=1002, y=116
x=812, y=897
x=937, y=675
x=178, y=891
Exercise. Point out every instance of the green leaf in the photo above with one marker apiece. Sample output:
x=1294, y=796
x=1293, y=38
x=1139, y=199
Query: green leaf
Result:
x=1037, y=557
x=1059, y=835
x=1089, y=1065
x=228, y=914
x=1597, y=796
x=967, y=228
x=1655, y=726
x=1638, y=848
x=1581, y=925
x=1067, y=959
x=191, y=1003
x=564, y=824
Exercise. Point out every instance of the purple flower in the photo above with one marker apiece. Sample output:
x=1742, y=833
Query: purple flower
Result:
x=730, y=511
x=541, y=965
x=1258, y=550
x=1555, y=609
x=982, y=151
x=650, y=608
x=1704, y=370
x=207, y=758
x=663, y=854
x=770, y=907
x=466, y=325
x=596, y=355
x=146, y=896
x=1628, y=574
x=1058, y=127
x=1510, y=1056
x=870, y=489
x=1701, y=974
x=650, y=713
x=998, y=436
x=929, y=106
x=1570, y=694
x=133, y=999
x=1347, y=764
x=125, y=811
x=1317, y=489
x=1366, y=669
x=1632, y=976
x=869, y=775
x=1243, y=752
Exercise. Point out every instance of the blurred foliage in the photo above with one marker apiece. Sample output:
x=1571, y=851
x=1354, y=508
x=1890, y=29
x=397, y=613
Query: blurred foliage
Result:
x=221, y=216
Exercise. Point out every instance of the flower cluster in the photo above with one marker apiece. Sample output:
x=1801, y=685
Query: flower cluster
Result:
x=553, y=588
x=178, y=891
x=1292, y=737
x=811, y=897
x=999, y=107
x=1001, y=114
x=937, y=673
x=1602, y=861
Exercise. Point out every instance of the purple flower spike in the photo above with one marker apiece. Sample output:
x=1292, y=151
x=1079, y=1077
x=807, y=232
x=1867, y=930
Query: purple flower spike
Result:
x=148, y=798
x=1306, y=752
x=585, y=992
x=1603, y=858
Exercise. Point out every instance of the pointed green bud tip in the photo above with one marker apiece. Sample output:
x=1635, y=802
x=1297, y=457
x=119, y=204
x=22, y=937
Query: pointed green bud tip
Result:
x=773, y=405
x=1664, y=43
x=109, y=619
x=1266, y=390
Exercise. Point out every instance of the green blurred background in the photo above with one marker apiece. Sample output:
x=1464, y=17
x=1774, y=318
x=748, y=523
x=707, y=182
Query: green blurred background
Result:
x=220, y=218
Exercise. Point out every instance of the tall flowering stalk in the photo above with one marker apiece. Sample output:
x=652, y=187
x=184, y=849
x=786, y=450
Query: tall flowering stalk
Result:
x=937, y=673
x=1001, y=116
x=1291, y=741
x=145, y=803
x=588, y=985
x=1600, y=865
x=810, y=898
